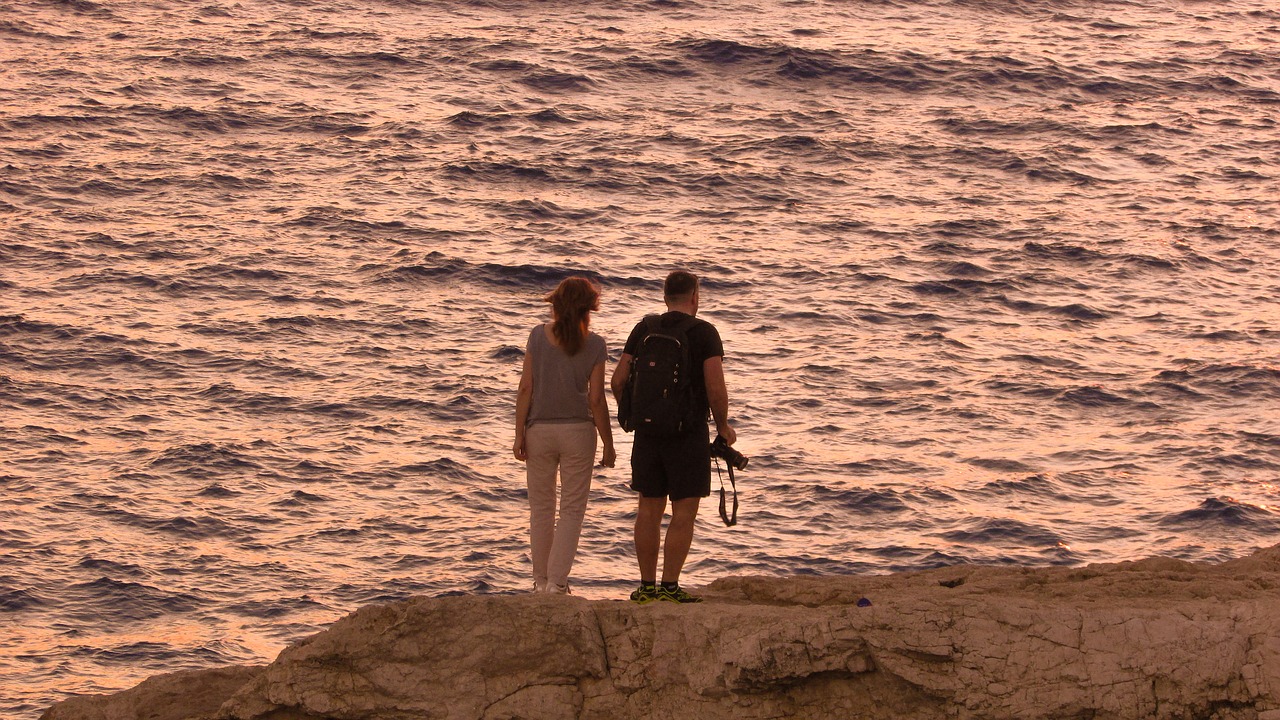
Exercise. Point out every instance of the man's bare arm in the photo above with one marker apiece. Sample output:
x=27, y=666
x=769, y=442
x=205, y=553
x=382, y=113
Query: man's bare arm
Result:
x=618, y=382
x=718, y=396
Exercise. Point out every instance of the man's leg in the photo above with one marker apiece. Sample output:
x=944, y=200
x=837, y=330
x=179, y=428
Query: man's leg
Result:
x=648, y=535
x=679, y=538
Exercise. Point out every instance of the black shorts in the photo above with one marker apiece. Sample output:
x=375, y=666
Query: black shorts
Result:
x=674, y=466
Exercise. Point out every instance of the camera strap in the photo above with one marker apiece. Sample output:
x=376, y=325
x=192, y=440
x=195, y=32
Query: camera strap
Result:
x=724, y=515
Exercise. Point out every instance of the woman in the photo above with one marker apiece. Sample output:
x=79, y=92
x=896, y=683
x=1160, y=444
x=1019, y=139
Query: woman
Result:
x=560, y=408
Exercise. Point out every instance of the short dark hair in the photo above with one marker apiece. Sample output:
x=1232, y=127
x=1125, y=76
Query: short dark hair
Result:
x=679, y=284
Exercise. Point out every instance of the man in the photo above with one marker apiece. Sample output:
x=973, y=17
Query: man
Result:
x=675, y=466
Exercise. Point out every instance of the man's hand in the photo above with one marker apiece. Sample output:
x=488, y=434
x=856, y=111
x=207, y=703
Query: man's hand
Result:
x=727, y=432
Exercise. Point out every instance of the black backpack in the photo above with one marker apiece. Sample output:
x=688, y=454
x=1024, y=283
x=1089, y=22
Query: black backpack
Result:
x=658, y=398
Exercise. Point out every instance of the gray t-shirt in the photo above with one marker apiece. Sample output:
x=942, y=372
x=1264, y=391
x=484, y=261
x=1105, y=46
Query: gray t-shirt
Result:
x=560, y=380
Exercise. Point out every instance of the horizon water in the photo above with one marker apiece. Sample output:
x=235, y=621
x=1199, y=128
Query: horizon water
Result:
x=998, y=283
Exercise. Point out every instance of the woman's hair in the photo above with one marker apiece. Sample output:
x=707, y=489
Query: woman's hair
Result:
x=572, y=302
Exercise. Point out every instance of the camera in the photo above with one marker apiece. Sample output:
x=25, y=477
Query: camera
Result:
x=720, y=449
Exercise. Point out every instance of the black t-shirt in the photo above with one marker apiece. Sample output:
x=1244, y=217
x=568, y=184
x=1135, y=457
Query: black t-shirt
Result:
x=704, y=342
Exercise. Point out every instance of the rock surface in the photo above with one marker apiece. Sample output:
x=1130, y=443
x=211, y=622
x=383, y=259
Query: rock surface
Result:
x=1159, y=639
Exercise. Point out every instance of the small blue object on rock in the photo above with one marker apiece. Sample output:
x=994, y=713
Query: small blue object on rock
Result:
x=863, y=602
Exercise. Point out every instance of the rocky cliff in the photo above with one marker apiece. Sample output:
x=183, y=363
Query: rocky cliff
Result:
x=1151, y=639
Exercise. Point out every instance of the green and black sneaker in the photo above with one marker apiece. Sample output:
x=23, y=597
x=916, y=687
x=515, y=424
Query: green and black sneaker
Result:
x=644, y=594
x=676, y=594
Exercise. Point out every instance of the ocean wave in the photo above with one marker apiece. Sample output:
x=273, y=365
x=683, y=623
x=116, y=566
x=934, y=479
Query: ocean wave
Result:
x=1001, y=531
x=1232, y=380
x=1224, y=512
x=108, y=600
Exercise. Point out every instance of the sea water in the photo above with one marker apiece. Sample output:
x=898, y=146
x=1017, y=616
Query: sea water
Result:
x=997, y=280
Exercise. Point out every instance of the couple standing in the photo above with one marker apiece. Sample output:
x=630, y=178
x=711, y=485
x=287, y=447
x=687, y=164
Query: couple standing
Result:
x=560, y=409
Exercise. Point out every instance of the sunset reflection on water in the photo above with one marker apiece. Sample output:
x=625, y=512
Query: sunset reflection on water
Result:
x=996, y=284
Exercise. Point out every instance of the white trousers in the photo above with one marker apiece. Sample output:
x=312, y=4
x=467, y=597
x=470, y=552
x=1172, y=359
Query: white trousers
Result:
x=553, y=542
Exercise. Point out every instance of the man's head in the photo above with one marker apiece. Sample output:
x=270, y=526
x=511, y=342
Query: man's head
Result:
x=680, y=291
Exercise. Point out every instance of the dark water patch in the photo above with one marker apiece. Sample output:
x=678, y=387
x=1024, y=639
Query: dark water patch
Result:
x=222, y=397
x=112, y=568
x=18, y=325
x=1002, y=531
x=17, y=28
x=790, y=146
x=1029, y=167
x=554, y=81
x=447, y=471
x=188, y=528
x=196, y=59
x=1069, y=254
x=1266, y=440
x=314, y=467
x=14, y=600
x=859, y=500
x=1223, y=336
x=884, y=466
x=553, y=116
x=1007, y=128
x=35, y=436
x=1091, y=396
x=299, y=498
x=81, y=7
x=1043, y=361
x=1037, y=485
x=1105, y=533
x=437, y=267
x=389, y=403
x=961, y=269
x=1071, y=311
x=1004, y=465
x=504, y=65
x=337, y=410
x=222, y=271
x=220, y=121
x=473, y=120
x=904, y=71
x=962, y=287
x=1224, y=512
x=275, y=607
x=542, y=210
x=106, y=600
x=507, y=352
x=312, y=34
x=1063, y=253
x=1235, y=460
x=156, y=654
x=644, y=68
x=64, y=123
x=489, y=171
x=162, y=284
x=226, y=181
x=199, y=458
x=376, y=61
x=193, y=359
x=1019, y=77
x=50, y=151
x=1225, y=380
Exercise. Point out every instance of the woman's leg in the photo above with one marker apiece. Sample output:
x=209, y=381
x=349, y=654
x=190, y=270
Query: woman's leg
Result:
x=540, y=475
x=577, y=461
